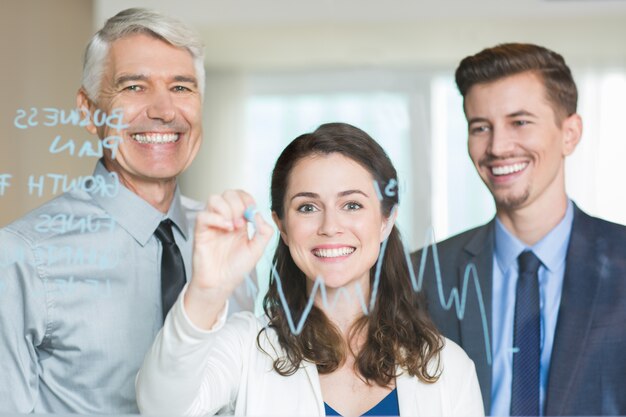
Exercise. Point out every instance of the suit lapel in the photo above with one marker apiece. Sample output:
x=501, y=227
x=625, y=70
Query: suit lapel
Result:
x=580, y=285
x=475, y=327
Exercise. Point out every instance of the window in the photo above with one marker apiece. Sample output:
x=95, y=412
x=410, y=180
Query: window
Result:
x=273, y=121
x=418, y=119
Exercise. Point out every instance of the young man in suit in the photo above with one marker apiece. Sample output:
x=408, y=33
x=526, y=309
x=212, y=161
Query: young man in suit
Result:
x=544, y=313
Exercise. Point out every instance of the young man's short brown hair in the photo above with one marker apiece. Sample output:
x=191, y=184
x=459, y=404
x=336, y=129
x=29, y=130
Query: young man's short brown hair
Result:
x=507, y=59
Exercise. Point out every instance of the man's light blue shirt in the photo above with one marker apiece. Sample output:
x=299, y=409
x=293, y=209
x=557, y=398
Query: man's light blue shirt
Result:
x=551, y=251
x=82, y=298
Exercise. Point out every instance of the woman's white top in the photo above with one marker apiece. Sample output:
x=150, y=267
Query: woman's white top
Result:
x=189, y=371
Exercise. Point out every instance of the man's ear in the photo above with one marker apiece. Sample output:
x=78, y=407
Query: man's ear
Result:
x=387, y=225
x=572, y=128
x=86, y=108
x=279, y=224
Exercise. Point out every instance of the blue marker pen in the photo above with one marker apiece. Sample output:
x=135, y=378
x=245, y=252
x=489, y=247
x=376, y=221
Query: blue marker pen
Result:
x=249, y=214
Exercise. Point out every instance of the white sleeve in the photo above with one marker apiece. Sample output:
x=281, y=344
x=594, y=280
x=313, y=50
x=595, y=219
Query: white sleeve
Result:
x=468, y=399
x=243, y=298
x=190, y=371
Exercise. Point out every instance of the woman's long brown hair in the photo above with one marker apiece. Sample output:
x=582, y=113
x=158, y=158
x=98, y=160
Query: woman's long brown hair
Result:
x=397, y=330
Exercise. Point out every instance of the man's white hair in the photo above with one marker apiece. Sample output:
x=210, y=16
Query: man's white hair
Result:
x=133, y=21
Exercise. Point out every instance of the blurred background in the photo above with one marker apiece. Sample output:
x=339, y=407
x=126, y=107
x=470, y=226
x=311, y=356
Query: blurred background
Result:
x=279, y=68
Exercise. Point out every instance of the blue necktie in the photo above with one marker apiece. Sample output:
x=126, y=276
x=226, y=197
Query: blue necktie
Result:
x=172, y=266
x=525, y=386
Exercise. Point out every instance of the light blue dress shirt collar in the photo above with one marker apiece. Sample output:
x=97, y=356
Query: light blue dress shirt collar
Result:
x=551, y=251
x=134, y=214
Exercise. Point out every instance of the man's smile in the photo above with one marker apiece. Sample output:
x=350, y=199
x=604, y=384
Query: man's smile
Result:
x=155, y=137
x=508, y=169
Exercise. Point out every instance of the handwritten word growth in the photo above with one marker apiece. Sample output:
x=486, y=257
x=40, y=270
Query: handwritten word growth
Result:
x=91, y=184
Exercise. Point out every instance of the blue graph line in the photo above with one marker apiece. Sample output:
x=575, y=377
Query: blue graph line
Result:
x=379, y=264
x=459, y=301
x=455, y=299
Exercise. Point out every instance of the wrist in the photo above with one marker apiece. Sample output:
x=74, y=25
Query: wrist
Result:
x=204, y=305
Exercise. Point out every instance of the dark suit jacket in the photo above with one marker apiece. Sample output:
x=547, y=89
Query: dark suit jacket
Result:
x=587, y=373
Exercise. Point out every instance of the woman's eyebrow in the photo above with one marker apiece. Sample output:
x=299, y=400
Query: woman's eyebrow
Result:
x=307, y=194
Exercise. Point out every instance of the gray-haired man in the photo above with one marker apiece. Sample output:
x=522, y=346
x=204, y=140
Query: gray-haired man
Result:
x=91, y=274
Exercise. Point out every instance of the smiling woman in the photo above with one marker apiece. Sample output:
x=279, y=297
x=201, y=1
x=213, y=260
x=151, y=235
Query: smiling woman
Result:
x=387, y=359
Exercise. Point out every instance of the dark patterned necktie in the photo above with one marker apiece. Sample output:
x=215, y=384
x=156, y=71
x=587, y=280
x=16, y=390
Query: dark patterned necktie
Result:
x=525, y=385
x=172, y=266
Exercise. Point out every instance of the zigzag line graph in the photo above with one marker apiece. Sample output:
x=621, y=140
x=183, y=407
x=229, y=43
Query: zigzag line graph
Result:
x=456, y=299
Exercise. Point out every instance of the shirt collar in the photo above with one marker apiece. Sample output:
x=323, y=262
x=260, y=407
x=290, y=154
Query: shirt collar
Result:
x=177, y=215
x=134, y=214
x=551, y=249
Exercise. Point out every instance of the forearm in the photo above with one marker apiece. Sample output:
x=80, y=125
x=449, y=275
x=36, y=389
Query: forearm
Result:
x=190, y=369
x=171, y=376
x=204, y=306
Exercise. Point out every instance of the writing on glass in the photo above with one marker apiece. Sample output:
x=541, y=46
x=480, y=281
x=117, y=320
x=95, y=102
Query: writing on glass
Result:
x=49, y=117
x=457, y=298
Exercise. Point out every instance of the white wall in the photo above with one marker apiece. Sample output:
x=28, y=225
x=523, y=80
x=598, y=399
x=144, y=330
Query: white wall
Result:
x=42, y=45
